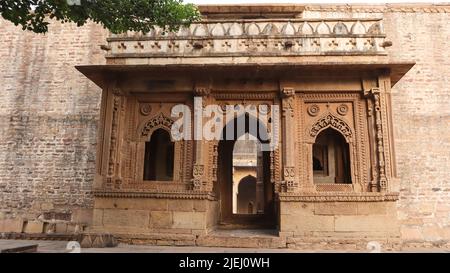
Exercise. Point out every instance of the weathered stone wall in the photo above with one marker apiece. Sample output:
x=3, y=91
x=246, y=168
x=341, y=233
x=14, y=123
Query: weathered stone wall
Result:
x=49, y=113
x=48, y=120
x=421, y=111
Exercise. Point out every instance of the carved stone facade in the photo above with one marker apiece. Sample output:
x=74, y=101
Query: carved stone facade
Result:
x=325, y=73
x=347, y=96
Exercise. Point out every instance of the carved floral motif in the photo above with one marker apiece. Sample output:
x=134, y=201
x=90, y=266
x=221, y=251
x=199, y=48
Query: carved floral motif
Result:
x=197, y=173
x=158, y=121
x=331, y=121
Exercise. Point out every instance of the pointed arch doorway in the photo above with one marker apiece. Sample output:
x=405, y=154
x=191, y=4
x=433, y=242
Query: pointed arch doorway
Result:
x=246, y=194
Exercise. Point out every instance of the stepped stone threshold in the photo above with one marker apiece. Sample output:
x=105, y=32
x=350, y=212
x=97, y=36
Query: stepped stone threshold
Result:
x=331, y=78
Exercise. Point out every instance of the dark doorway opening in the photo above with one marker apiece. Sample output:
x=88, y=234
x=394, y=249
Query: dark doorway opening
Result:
x=256, y=189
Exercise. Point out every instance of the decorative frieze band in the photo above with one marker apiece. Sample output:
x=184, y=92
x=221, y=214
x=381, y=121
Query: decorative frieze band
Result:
x=159, y=194
x=338, y=197
x=263, y=27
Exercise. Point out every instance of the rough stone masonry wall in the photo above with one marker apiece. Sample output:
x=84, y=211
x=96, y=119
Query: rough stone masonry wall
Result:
x=48, y=120
x=48, y=115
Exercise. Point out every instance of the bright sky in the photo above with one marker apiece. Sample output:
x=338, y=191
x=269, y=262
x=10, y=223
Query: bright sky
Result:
x=307, y=1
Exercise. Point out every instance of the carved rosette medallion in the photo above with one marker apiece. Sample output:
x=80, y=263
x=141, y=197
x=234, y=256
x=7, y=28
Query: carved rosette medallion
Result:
x=145, y=109
x=342, y=109
x=313, y=110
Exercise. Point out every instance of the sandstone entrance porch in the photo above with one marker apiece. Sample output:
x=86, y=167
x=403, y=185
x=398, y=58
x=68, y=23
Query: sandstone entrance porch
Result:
x=332, y=173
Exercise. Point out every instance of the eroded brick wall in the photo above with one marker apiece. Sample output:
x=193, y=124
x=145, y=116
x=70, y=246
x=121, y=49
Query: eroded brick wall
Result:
x=48, y=119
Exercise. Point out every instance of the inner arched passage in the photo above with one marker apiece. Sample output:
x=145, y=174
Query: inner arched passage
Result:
x=246, y=196
x=244, y=187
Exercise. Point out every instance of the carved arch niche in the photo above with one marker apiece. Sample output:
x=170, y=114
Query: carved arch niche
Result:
x=337, y=119
x=143, y=134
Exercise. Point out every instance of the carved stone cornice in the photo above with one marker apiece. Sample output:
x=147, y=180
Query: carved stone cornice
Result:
x=400, y=8
x=338, y=197
x=202, y=195
x=256, y=37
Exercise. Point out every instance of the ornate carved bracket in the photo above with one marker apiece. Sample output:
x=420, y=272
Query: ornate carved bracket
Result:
x=202, y=91
x=197, y=174
x=116, y=89
x=288, y=96
x=289, y=183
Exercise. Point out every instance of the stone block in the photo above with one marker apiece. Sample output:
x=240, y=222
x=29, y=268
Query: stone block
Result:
x=200, y=205
x=165, y=242
x=306, y=223
x=73, y=228
x=191, y=220
x=372, y=208
x=161, y=219
x=377, y=223
x=97, y=219
x=427, y=208
x=297, y=208
x=84, y=216
x=173, y=230
x=411, y=234
x=445, y=233
x=104, y=203
x=46, y=206
x=11, y=225
x=61, y=228
x=180, y=205
x=154, y=204
x=432, y=233
x=131, y=203
x=335, y=208
x=34, y=227
x=126, y=218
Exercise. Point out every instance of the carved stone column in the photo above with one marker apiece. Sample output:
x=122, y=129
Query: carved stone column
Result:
x=290, y=181
x=376, y=125
x=199, y=181
x=114, y=121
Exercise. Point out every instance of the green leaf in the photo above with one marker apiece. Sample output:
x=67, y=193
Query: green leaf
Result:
x=115, y=15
